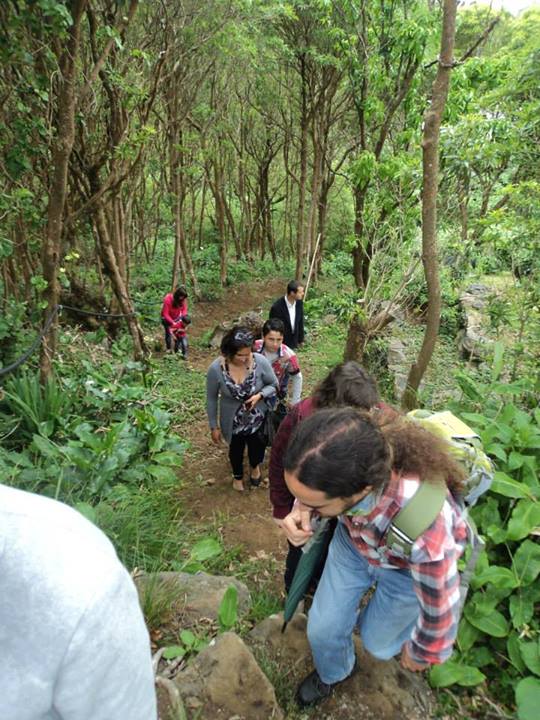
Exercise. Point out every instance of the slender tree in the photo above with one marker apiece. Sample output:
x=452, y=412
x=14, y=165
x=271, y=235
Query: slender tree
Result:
x=430, y=185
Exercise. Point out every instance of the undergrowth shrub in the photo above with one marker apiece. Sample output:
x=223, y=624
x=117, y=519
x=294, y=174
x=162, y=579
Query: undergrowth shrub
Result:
x=499, y=634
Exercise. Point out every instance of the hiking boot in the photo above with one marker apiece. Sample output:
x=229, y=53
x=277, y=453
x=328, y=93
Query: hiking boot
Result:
x=312, y=690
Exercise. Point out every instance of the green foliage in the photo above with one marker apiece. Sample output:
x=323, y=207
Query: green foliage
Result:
x=188, y=645
x=228, y=609
x=37, y=409
x=499, y=619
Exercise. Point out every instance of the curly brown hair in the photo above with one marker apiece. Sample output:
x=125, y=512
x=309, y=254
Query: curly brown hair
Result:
x=415, y=450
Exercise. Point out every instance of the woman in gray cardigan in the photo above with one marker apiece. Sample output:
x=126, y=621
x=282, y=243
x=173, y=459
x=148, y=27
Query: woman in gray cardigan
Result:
x=242, y=382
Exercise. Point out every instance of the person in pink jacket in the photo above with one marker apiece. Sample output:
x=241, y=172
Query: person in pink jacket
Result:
x=173, y=314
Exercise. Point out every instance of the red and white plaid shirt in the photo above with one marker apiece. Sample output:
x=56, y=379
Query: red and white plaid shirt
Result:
x=432, y=563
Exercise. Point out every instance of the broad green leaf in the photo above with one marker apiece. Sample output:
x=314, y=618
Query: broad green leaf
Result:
x=467, y=635
x=515, y=460
x=521, y=607
x=530, y=652
x=504, y=485
x=161, y=472
x=190, y=567
x=228, y=608
x=46, y=428
x=496, y=534
x=514, y=652
x=480, y=656
x=525, y=517
x=452, y=673
x=205, y=549
x=167, y=458
x=492, y=622
x=497, y=451
x=528, y=698
x=499, y=576
x=87, y=510
x=174, y=651
x=188, y=638
x=47, y=448
x=526, y=562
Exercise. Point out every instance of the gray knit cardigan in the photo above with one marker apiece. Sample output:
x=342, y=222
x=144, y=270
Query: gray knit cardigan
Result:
x=265, y=382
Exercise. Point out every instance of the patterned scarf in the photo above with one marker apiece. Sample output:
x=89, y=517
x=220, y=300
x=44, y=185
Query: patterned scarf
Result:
x=245, y=421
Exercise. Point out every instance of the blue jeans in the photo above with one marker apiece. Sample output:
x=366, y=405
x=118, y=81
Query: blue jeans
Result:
x=385, y=624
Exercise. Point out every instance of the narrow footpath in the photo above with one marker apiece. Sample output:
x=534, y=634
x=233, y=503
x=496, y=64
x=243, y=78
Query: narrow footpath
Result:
x=244, y=519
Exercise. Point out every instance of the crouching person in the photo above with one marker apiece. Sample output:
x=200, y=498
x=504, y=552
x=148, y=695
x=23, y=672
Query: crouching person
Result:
x=342, y=463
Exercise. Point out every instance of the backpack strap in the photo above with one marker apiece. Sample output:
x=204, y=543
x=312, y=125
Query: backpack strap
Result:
x=416, y=516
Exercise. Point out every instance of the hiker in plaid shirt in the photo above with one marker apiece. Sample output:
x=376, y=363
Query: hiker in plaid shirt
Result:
x=344, y=463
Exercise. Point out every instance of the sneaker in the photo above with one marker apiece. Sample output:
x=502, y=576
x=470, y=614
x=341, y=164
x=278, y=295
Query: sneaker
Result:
x=312, y=690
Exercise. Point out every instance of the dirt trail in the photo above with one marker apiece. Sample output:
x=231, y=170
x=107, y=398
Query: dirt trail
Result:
x=244, y=518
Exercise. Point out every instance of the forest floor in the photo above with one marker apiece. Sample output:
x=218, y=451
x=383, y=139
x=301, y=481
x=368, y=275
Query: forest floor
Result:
x=243, y=520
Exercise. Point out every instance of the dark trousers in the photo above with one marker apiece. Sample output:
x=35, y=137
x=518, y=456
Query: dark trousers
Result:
x=295, y=553
x=255, y=449
x=180, y=343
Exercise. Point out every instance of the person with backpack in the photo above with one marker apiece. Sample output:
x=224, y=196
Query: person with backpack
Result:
x=173, y=313
x=343, y=463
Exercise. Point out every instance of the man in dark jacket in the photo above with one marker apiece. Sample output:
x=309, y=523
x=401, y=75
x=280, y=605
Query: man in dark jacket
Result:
x=290, y=309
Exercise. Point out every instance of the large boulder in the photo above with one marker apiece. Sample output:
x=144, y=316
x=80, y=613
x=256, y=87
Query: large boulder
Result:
x=381, y=690
x=225, y=682
x=193, y=597
x=473, y=341
x=398, y=365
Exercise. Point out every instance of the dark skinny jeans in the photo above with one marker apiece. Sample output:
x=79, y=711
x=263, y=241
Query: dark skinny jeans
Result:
x=238, y=444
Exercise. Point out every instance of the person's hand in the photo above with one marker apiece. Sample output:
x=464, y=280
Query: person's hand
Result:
x=216, y=436
x=297, y=525
x=278, y=521
x=252, y=401
x=408, y=663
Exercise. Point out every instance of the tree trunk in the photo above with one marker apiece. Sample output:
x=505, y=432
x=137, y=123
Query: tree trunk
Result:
x=430, y=162
x=300, y=228
x=119, y=286
x=62, y=147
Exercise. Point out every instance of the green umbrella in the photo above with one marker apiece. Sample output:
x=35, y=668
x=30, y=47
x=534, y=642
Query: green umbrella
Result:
x=311, y=554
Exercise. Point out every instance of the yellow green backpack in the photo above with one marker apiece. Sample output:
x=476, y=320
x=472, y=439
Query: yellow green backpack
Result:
x=466, y=447
x=424, y=506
